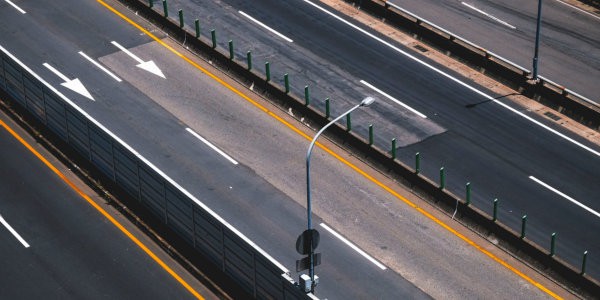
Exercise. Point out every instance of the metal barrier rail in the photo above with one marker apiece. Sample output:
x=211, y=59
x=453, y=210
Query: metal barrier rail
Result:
x=236, y=255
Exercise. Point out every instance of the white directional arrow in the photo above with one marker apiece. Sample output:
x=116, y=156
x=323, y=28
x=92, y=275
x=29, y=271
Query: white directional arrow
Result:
x=149, y=66
x=75, y=85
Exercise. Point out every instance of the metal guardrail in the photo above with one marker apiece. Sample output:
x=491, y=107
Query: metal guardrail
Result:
x=236, y=255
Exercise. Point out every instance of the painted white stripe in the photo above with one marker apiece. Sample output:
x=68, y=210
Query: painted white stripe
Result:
x=57, y=73
x=101, y=67
x=347, y=242
x=15, y=6
x=597, y=153
x=488, y=15
x=23, y=242
x=139, y=60
x=233, y=161
x=148, y=163
x=266, y=27
x=565, y=196
x=393, y=99
x=579, y=9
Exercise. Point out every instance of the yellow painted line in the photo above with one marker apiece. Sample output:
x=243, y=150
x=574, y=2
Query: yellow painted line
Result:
x=102, y=211
x=329, y=151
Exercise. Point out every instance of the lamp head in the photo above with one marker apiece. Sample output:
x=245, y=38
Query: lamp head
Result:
x=367, y=101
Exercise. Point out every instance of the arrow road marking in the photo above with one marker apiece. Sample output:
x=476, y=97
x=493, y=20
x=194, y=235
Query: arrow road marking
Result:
x=75, y=85
x=25, y=244
x=15, y=6
x=149, y=66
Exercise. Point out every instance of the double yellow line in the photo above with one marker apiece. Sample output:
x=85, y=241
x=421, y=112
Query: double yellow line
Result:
x=329, y=151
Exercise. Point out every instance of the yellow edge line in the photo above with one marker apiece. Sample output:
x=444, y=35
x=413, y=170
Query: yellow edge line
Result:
x=101, y=210
x=341, y=159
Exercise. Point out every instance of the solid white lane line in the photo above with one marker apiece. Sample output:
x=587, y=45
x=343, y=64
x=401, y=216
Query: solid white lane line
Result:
x=597, y=153
x=365, y=255
x=266, y=27
x=579, y=9
x=233, y=161
x=139, y=60
x=393, y=99
x=13, y=232
x=147, y=162
x=15, y=6
x=100, y=66
x=488, y=15
x=565, y=196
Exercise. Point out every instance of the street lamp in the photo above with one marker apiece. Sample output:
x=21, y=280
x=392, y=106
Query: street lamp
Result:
x=537, y=40
x=365, y=102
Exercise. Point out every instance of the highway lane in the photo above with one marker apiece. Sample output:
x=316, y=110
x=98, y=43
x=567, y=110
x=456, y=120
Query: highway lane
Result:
x=266, y=208
x=161, y=137
x=569, y=45
x=475, y=138
x=66, y=248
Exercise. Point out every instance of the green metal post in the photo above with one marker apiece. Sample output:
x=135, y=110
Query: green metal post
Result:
x=348, y=123
x=230, y=49
x=213, y=34
x=468, y=193
x=442, y=178
x=523, y=226
x=394, y=148
x=181, y=18
x=327, y=109
x=495, y=214
x=249, y=59
x=268, y=71
x=552, y=244
x=197, y=23
x=306, y=96
x=151, y=3
x=286, y=80
x=583, y=263
x=166, y=11
x=417, y=163
x=370, y=134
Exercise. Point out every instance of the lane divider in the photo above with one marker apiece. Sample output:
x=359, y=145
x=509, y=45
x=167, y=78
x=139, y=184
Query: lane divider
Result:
x=266, y=27
x=597, y=214
x=209, y=144
x=102, y=211
x=393, y=99
x=354, y=247
x=101, y=67
x=335, y=155
x=15, y=6
x=13, y=231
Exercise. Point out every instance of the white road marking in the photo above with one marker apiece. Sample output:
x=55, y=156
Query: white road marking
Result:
x=283, y=269
x=393, y=99
x=565, y=196
x=233, y=161
x=266, y=27
x=101, y=67
x=75, y=85
x=365, y=255
x=23, y=242
x=488, y=15
x=579, y=9
x=597, y=153
x=149, y=66
x=15, y=6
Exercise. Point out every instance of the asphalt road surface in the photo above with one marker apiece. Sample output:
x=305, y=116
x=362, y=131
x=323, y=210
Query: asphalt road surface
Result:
x=263, y=195
x=55, y=245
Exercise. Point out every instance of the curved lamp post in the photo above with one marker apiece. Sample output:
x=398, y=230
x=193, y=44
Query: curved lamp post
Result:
x=365, y=102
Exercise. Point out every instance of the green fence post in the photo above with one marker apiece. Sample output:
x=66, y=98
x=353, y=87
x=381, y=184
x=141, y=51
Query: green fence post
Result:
x=151, y=3
x=370, y=134
x=417, y=163
x=348, y=123
x=552, y=243
x=495, y=214
x=213, y=34
x=166, y=11
x=394, y=148
x=268, y=71
x=230, y=49
x=181, y=18
x=583, y=263
x=442, y=178
x=306, y=96
x=523, y=226
x=468, y=193
x=197, y=23
x=327, y=109
x=249, y=59
x=286, y=81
